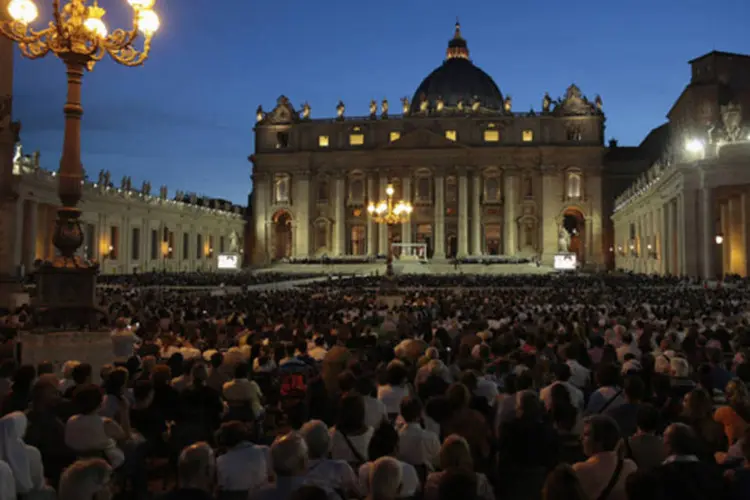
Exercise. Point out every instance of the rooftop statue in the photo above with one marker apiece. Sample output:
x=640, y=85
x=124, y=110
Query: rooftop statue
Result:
x=598, y=103
x=405, y=105
x=373, y=108
x=146, y=188
x=340, y=108
x=460, y=104
x=259, y=114
x=306, y=111
x=546, y=102
x=731, y=117
x=106, y=178
x=439, y=104
x=423, y=104
x=508, y=104
x=384, y=108
x=475, y=104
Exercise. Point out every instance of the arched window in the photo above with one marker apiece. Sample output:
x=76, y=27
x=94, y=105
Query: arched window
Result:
x=281, y=188
x=574, y=185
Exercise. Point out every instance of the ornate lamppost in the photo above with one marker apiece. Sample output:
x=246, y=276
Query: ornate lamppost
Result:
x=385, y=212
x=77, y=35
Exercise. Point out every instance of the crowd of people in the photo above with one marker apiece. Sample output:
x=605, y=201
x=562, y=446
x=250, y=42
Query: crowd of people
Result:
x=595, y=387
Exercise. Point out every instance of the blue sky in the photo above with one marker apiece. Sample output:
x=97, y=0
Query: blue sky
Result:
x=185, y=118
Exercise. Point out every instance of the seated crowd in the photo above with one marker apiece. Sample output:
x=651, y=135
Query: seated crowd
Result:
x=594, y=388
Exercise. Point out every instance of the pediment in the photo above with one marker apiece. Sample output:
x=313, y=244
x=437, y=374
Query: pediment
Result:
x=423, y=138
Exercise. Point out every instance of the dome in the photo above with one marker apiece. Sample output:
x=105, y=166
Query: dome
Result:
x=458, y=79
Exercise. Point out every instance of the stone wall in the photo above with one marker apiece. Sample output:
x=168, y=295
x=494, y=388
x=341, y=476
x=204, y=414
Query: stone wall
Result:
x=90, y=347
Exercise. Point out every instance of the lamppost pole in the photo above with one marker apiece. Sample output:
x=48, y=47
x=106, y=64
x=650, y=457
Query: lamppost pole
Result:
x=78, y=36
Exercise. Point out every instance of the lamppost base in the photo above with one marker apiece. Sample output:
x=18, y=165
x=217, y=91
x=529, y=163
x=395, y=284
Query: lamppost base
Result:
x=66, y=294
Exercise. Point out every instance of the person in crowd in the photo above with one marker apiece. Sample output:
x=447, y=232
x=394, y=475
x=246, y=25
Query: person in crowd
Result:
x=124, y=341
x=739, y=479
x=217, y=375
x=166, y=398
x=417, y=446
x=147, y=419
x=604, y=474
x=20, y=394
x=244, y=467
x=455, y=456
x=562, y=484
x=697, y=413
x=25, y=461
x=734, y=417
x=290, y=464
x=562, y=377
x=115, y=391
x=66, y=381
x=332, y=474
x=384, y=443
x=608, y=395
x=87, y=479
x=200, y=409
x=395, y=389
x=195, y=473
x=7, y=369
x=645, y=447
x=375, y=410
x=458, y=484
x=241, y=391
x=350, y=437
x=683, y=474
x=386, y=478
x=82, y=375
x=626, y=414
x=7, y=483
x=565, y=420
x=467, y=422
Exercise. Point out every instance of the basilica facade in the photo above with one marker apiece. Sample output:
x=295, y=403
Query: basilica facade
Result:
x=484, y=179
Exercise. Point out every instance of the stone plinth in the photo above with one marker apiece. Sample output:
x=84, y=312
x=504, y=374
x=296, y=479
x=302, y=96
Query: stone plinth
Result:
x=67, y=296
x=94, y=348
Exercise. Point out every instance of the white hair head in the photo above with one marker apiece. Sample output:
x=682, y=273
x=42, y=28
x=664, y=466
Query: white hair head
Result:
x=679, y=367
x=317, y=438
x=84, y=479
x=385, y=479
x=289, y=455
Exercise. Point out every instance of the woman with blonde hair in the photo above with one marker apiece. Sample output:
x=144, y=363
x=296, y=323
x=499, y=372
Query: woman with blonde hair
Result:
x=86, y=480
x=455, y=455
x=735, y=417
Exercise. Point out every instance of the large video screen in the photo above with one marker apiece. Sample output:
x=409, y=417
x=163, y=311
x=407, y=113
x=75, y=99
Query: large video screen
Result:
x=228, y=261
x=565, y=262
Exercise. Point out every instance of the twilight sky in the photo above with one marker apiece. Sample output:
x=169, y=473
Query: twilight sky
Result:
x=185, y=118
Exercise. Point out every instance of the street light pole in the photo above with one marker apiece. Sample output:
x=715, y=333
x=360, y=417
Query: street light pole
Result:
x=79, y=37
x=385, y=212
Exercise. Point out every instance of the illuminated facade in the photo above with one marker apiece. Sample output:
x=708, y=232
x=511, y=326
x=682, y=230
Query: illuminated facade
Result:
x=125, y=229
x=689, y=214
x=483, y=178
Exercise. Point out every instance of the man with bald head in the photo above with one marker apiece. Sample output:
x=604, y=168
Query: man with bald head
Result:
x=195, y=474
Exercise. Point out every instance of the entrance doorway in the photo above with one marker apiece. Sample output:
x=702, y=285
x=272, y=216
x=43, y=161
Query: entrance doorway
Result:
x=282, y=234
x=575, y=224
x=452, y=246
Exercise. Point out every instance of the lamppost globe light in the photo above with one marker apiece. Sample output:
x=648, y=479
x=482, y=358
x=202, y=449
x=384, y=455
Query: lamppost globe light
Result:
x=694, y=146
x=23, y=11
x=96, y=26
x=148, y=22
x=389, y=190
x=142, y=4
x=371, y=208
x=719, y=239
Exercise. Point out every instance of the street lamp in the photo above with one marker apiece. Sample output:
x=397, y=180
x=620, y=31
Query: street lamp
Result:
x=719, y=238
x=385, y=212
x=78, y=36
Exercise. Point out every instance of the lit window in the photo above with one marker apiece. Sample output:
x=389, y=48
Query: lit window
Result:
x=574, y=185
x=395, y=136
x=356, y=139
x=527, y=135
x=491, y=136
x=323, y=141
x=450, y=135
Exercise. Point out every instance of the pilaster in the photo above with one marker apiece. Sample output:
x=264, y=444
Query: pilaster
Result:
x=302, y=206
x=382, y=230
x=463, y=214
x=406, y=227
x=476, y=214
x=509, y=215
x=339, y=224
x=372, y=197
x=439, y=236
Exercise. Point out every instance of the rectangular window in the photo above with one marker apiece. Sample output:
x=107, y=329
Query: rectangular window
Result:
x=135, y=244
x=527, y=135
x=451, y=135
x=185, y=246
x=356, y=139
x=491, y=136
x=395, y=136
x=154, y=244
x=198, y=246
x=114, y=242
x=323, y=141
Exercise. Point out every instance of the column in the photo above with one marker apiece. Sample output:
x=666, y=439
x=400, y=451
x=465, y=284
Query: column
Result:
x=260, y=198
x=439, y=223
x=33, y=207
x=372, y=197
x=339, y=224
x=707, y=237
x=668, y=238
x=302, y=204
x=406, y=196
x=510, y=225
x=549, y=221
x=463, y=215
x=681, y=236
x=476, y=214
x=589, y=240
x=662, y=251
x=19, y=232
x=382, y=230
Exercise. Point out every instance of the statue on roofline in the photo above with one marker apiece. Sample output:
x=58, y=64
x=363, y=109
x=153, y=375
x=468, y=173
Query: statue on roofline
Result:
x=373, y=108
x=146, y=188
x=405, y=105
x=460, y=104
x=305, y=111
x=259, y=114
x=508, y=104
x=384, y=108
x=423, y=103
x=340, y=108
x=106, y=178
x=100, y=180
x=475, y=104
x=598, y=103
x=546, y=102
x=439, y=104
